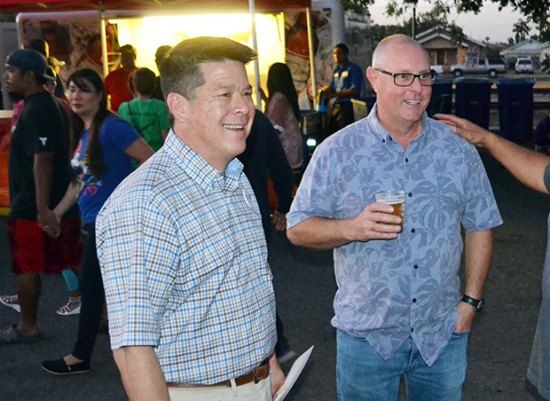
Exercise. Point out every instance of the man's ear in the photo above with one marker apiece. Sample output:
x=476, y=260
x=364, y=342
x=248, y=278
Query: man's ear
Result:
x=372, y=76
x=178, y=105
x=29, y=76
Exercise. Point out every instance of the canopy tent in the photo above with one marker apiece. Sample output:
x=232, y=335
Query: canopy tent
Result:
x=16, y=6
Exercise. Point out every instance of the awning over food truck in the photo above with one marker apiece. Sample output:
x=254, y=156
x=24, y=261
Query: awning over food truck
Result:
x=17, y=6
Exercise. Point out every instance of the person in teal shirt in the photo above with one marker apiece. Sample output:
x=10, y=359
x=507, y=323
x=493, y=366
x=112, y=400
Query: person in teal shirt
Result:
x=148, y=115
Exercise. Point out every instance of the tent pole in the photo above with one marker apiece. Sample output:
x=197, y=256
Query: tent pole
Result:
x=104, y=55
x=252, y=9
x=311, y=55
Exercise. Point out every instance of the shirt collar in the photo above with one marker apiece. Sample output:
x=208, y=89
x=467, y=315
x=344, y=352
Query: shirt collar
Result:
x=200, y=171
x=385, y=137
x=344, y=67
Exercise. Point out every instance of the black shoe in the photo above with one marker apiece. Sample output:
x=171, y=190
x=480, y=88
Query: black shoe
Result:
x=59, y=367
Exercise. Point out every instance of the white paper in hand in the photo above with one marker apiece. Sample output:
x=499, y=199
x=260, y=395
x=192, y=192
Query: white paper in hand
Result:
x=293, y=374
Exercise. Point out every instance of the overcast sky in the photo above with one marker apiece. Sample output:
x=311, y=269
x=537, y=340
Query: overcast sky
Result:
x=497, y=25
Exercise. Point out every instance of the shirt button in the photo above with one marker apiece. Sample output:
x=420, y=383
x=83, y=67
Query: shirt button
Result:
x=410, y=194
x=415, y=267
x=414, y=300
x=383, y=141
x=406, y=159
x=412, y=329
x=390, y=139
x=413, y=230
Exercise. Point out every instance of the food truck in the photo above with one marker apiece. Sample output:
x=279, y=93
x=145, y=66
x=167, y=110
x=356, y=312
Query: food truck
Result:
x=300, y=33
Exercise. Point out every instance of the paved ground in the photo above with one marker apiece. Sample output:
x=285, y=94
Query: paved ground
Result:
x=304, y=281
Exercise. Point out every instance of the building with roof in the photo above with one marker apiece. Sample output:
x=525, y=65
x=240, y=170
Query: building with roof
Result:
x=527, y=49
x=445, y=51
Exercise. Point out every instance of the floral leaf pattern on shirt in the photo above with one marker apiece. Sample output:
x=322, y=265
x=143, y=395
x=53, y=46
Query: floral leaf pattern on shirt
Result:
x=391, y=290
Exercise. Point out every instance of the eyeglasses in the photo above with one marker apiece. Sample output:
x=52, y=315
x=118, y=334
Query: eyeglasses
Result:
x=407, y=78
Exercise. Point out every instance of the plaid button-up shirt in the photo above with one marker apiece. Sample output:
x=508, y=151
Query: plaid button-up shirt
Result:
x=184, y=265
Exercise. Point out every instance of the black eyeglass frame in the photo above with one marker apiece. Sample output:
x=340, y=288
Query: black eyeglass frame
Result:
x=433, y=75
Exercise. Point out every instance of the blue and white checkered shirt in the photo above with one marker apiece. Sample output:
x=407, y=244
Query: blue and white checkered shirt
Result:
x=184, y=265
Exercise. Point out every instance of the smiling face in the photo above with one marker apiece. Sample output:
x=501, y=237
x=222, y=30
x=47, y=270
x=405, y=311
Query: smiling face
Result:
x=400, y=106
x=216, y=121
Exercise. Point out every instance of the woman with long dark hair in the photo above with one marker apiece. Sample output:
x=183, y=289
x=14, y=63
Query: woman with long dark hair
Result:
x=283, y=111
x=102, y=158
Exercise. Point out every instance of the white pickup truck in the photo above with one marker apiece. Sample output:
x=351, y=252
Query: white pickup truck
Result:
x=489, y=66
x=437, y=68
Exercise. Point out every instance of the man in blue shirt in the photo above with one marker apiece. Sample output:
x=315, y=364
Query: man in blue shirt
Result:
x=398, y=308
x=346, y=84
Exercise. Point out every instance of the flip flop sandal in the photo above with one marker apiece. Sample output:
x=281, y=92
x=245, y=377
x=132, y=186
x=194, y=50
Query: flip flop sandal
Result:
x=13, y=336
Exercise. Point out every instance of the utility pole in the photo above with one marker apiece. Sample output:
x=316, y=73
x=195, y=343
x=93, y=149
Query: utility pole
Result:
x=413, y=24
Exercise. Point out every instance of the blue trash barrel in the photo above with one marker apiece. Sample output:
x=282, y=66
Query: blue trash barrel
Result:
x=442, y=97
x=473, y=100
x=515, y=108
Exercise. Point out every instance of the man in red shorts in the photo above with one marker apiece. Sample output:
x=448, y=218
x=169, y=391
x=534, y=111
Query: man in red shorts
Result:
x=39, y=173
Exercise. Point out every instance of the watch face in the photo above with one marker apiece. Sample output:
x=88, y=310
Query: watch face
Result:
x=480, y=305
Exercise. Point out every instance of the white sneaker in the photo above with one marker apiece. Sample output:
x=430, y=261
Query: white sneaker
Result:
x=11, y=301
x=72, y=307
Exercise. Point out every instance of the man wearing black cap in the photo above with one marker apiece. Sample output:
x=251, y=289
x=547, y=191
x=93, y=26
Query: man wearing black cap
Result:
x=39, y=173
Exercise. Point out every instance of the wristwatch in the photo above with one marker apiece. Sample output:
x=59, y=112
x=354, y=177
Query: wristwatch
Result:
x=476, y=303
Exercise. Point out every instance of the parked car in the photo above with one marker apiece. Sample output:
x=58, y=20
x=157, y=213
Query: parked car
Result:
x=524, y=65
x=489, y=66
x=437, y=68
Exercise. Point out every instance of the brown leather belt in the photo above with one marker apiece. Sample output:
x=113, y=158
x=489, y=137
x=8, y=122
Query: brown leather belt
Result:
x=258, y=374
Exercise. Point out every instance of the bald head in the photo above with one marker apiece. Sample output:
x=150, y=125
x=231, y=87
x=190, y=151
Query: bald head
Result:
x=387, y=47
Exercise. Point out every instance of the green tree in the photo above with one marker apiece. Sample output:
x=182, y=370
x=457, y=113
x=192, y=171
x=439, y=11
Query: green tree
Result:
x=437, y=17
x=378, y=32
x=358, y=5
x=521, y=30
x=535, y=12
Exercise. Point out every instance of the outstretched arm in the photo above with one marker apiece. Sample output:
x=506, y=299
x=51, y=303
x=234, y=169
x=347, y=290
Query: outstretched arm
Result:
x=525, y=164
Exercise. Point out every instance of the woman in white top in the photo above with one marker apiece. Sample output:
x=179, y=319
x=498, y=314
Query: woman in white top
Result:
x=283, y=111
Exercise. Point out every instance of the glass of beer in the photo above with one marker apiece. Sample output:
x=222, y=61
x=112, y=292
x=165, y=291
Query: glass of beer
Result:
x=395, y=199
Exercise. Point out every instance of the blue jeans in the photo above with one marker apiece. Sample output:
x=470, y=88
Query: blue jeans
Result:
x=363, y=375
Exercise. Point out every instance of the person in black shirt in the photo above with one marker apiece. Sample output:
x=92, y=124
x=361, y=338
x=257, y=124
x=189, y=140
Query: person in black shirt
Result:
x=39, y=174
x=161, y=53
x=265, y=158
